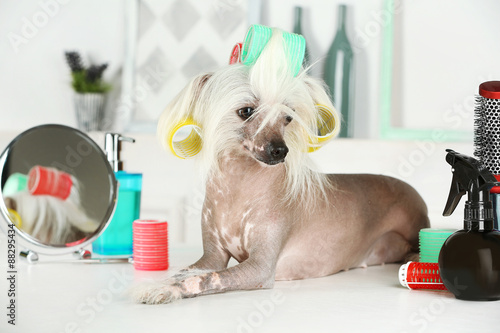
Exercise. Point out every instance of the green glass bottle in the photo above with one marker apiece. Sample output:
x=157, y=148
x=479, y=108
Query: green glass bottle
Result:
x=297, y=29
x=338, y=74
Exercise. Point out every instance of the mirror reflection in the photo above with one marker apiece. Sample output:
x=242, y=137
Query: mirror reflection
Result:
x=57, y=186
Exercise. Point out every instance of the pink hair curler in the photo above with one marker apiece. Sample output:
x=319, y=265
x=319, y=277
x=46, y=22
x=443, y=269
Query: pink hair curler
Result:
x=236, y=54
x=150, y=245
x=421, y=275
x=49, y=181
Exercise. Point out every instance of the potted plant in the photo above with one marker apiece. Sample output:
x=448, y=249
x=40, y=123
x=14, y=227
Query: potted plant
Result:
x=90, y=91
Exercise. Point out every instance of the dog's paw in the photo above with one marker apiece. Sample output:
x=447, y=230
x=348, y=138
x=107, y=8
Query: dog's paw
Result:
x=155, y=293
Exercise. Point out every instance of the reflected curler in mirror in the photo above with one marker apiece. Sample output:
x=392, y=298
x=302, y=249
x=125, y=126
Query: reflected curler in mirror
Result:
x=49, y=208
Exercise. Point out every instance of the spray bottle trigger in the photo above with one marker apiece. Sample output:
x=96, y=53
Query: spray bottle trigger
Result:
x=456, y=193
x=469, y=176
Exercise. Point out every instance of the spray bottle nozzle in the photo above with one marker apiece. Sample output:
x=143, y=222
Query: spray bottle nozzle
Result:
x=471, y=176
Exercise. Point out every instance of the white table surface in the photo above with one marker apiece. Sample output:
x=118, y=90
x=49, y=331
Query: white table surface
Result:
x=63, y=297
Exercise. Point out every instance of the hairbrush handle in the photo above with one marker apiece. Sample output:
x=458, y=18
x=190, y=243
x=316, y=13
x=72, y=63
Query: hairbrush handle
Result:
x=420, y=275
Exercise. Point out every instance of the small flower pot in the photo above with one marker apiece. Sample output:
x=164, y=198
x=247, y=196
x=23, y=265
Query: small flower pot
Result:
x=89, y=110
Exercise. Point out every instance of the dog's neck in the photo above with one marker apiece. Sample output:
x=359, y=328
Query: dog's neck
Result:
x=242, y=173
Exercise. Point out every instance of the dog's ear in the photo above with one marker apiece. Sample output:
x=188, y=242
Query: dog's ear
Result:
x=181, y=108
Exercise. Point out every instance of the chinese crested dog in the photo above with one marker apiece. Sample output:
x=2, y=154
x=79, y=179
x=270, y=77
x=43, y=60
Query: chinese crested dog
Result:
x=265, y=204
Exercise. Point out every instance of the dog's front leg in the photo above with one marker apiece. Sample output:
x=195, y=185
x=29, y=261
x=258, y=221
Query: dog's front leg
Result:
x=256, y=272
x=215, y=257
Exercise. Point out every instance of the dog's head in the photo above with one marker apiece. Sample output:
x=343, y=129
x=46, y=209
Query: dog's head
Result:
x=262, y=110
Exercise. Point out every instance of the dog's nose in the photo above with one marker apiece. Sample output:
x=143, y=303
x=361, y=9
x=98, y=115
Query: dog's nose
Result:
x=277, y=150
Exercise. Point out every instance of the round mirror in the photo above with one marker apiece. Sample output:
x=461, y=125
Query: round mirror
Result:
x=57, y=189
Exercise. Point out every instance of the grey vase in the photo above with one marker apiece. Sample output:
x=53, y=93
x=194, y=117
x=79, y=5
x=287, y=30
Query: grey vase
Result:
x=89, y=109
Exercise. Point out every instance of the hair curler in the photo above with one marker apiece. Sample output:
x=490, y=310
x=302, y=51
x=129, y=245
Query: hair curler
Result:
x=431, y=241
x=185, y=140
x=420, y=275
x=49, y=181
x=150, y=245
x=328, y=127
x=257, y=38
x=236, y=54
x=16, y=182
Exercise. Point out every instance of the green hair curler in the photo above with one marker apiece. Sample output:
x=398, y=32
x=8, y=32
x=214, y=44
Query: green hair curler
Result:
x=257, y=38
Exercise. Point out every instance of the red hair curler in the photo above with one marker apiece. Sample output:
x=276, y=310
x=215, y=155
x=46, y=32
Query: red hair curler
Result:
x=49, y=181
x=150, y=244
x=236, y=54
x=421, y=275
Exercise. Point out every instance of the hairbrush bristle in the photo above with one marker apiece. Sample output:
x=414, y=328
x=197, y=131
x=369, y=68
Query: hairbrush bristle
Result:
x=487, y=133
x=479, y=122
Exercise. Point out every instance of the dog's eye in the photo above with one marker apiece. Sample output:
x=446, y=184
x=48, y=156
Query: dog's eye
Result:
x=246, y=112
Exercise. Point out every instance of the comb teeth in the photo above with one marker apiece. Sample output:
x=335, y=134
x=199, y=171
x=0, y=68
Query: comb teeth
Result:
x=487, y=133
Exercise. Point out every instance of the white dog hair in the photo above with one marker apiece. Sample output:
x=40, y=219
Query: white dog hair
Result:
x=269, y=85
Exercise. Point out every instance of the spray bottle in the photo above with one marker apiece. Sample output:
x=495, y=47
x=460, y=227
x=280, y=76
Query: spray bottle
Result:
x=469, y=261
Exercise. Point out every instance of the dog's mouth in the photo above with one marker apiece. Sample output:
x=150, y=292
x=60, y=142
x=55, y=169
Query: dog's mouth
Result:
x=270, y=162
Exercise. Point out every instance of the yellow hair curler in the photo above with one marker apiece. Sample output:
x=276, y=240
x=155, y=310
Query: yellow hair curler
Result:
x=328, y=127
x=185, y=139
x=15, y=218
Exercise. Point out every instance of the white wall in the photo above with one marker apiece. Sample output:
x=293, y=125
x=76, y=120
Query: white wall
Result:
x=34, y=78
x=446, y=49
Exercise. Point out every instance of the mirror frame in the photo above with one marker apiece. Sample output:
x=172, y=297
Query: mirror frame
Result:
x=32, y=244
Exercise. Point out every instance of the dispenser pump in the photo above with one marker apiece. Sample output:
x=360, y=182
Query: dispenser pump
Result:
x=469, y=261
x=112, y=147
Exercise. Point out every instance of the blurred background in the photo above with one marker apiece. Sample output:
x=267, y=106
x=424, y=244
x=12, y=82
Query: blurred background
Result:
x=417, y=63
x=416, y=67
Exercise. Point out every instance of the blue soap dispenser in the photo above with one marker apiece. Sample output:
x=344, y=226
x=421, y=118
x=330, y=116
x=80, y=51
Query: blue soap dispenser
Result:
x=117, y=237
